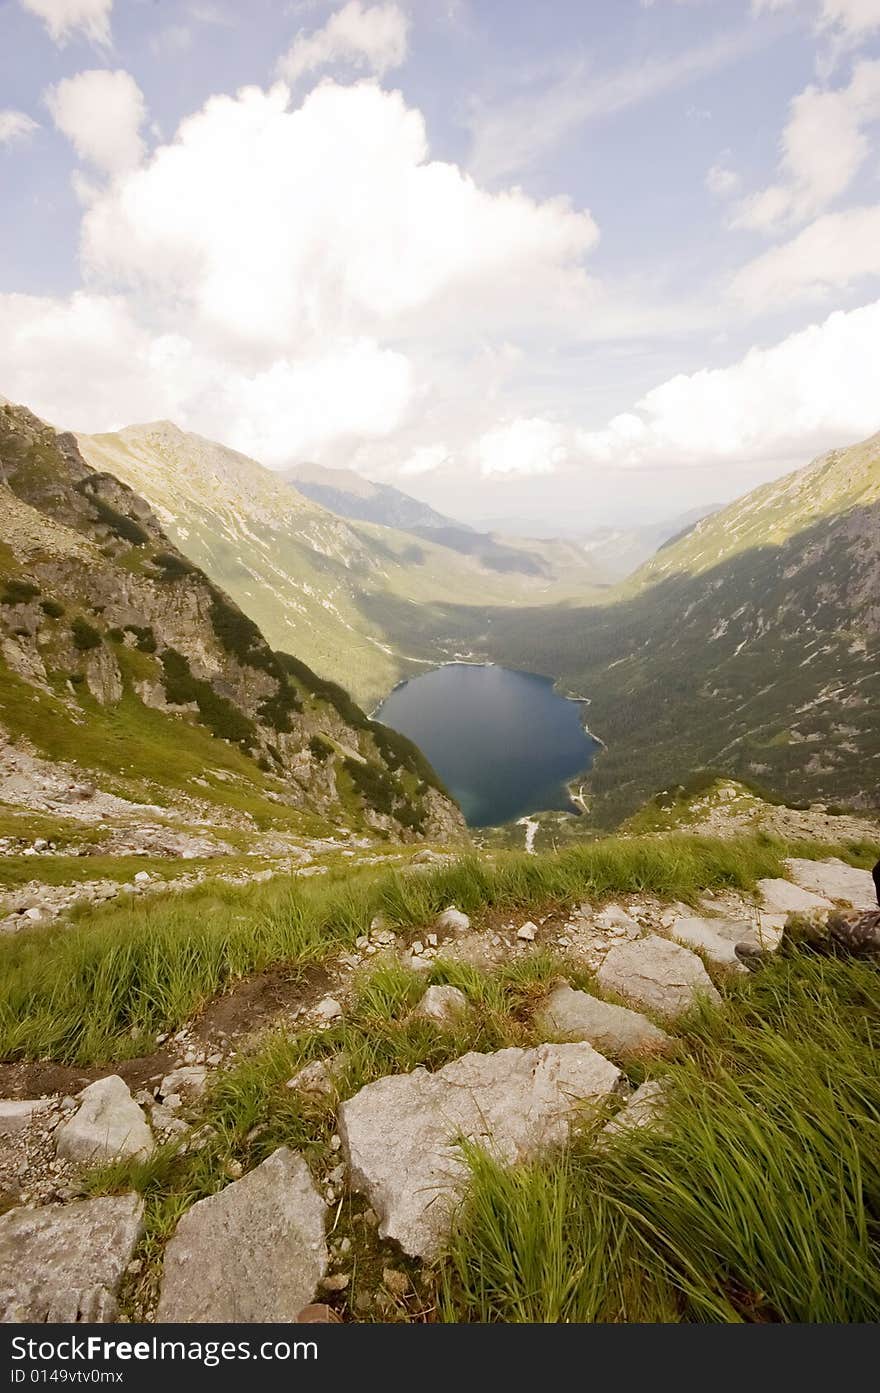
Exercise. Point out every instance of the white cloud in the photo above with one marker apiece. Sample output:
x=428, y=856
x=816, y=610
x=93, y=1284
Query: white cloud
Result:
x=326, y=335
x=834, y=252
x=511, y=135
x=101, y=113
x=348, y=225
x=424, y=460
x=721, y=181
x=823, y=147
x=526, y=445
x=815, y=389
x=15, y=125
x=371, y=37
x=63, y=18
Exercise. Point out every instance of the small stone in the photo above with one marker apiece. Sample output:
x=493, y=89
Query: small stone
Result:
x=570, y=1015
x=318, y=1313
x=431, y=939
x=445, y=1006
x=142, y=878
x=335, y=1281
x=327, y=1010
x=641, y=1110
x=234, y=1169
x=188, y=1082
x=215, y=1058
x=453, y=919
x=527, y=932
x=417, y=948
x=16, y=1114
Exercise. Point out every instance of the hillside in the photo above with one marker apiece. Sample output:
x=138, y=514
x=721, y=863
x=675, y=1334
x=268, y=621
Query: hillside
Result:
x=350, y=495
x=750, y=644
x=133, y=688
x=330, y=590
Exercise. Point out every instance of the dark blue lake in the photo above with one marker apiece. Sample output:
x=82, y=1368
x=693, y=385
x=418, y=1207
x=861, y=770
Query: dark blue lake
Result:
x=503, y=742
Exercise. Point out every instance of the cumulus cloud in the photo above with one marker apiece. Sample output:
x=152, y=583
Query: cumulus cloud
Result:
x=823, y=146
x=348, y=225
x=275, y=277
x=526, y=445
x=372, y=38
x=816, y=388
x=63, y=18
x=834, y=252
x=101, y=113
x=15, y=125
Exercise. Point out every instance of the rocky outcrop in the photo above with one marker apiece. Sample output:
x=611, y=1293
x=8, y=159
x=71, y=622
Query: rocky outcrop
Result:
x=65, y=1262
x=401, y=1135
x=657, y=975
x=566, y=1014
x=255, y=1252
x=107, y=1126
x=833, y=879
x=782, y=897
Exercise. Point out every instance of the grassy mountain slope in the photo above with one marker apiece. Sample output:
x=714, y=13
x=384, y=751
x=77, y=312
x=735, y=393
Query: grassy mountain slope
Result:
x=751, y=644
x=316, y=583
x=120, y=657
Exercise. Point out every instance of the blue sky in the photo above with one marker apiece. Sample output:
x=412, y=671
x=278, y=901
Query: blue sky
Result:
x=572, y=259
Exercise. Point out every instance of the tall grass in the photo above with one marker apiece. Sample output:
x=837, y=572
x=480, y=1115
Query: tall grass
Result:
x=757, y=1199
x=104, y=987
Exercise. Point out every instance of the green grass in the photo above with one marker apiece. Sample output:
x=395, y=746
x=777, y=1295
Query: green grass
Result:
x=758, y=1199
x=71, y=870
x=103, y=988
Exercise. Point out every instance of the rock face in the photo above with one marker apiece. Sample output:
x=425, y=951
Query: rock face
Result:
x=834, y=880
x=65, y=1262
x=657, y=975
x=570, y=1015
x=107, y=1126
x=781, y=897
x=400, y=1135
x=254, y=1252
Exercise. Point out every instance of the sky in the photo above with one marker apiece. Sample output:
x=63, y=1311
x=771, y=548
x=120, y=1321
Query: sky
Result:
x=575, y=263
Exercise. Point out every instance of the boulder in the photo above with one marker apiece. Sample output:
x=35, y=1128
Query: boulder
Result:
x=656, y=975
x=64, y=1263
x=254, y=1252
x=445, y=1006
x=107, y=1126
x=834, y=880
x=566, y=1014
x=16, y=1114
x=781, y=897
x=716, y=937
x=401, y=1135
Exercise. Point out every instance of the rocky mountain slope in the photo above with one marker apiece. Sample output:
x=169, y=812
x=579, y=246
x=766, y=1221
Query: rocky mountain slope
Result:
x=750, y=645
x=329, y=589
x=123, y=665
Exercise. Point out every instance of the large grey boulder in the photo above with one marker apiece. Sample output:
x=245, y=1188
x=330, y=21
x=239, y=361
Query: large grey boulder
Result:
x=65, y=1262
x=657, y=975
x=254, y=1252
x=834, y=880
x=401, y=1135
x=782, y=897
x=717, y=938
x=107, y=1126
x=570, y=1015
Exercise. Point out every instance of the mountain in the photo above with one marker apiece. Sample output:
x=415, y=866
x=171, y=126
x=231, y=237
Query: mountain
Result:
x=122, y=661
x=359, y=602
x=350, y=495
x=619, y=551
x=751, y=644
